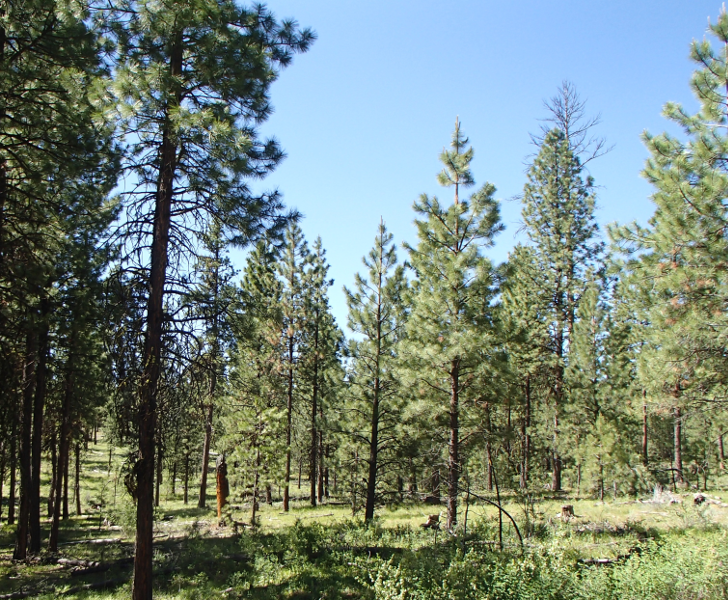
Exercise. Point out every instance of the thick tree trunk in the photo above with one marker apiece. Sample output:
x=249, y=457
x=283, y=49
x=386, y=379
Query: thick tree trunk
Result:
x=679, y=478
x=453, y=466
x=142, y=586
x=77, y=480
x=62, y=451
x=39, y=404
x=26, y=421
x=202, y=500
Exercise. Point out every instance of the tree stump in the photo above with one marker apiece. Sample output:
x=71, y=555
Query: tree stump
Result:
x=567, y=511
x=223, y=488
x=433, y=522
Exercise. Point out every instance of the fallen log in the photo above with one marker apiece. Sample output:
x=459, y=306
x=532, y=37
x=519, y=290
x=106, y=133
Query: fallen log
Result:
x=102, y=567
x=98, y=541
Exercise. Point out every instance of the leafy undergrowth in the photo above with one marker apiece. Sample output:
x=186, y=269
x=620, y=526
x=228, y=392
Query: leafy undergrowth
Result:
x=647, y=550
x=346, y=559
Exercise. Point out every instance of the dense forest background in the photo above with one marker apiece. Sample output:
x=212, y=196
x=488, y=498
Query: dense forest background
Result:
x=128, y=144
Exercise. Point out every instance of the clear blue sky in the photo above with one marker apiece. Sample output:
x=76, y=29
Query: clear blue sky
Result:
x=364, y=114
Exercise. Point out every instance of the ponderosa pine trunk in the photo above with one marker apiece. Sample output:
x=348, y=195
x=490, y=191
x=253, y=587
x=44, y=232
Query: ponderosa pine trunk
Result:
x=186, y=479
x=645, y=460
x=721, y=452
x=37, y=442
x=320, y=473
x=142, y=586
x=289, y=422
x=54, y=471
x=373, y=453
x=62, y=449
x=66, y=461
x=26, y=422
x=679, y=479
x=3, y=453
x=77, y=480
x=202, y=500
x=158, y=478
x=13, y=471
x=453, y=463
x=313, y=451
x=526, y=437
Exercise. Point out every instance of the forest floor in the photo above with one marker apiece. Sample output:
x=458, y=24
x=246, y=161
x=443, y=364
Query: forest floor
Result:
x=610, y=549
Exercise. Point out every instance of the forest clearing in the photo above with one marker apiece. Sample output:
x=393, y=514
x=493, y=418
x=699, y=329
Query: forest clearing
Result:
x=659, y=547
x=185, y=414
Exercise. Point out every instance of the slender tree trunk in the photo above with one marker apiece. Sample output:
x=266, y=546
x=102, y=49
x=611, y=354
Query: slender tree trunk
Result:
x=289, y=416
x=256, y=480
x=26, y=421
x=142, y=586
x=158, y=478
x=453, y=467
x=313, y=451
x=187, y=478
x=66, y=461
x=174, y=475
x=269, y=495
x=300, y=473
x=645, y=460
x=13, y=470
x=39, y=403
x=54, y=472
x=3, y=459
x=202, y=501
x=373, y=452
x=62, y=449
x=320, y=487
x=223, y=488
x=77, y=480
x=679, y=478
x=721, y=453
x=525, y=437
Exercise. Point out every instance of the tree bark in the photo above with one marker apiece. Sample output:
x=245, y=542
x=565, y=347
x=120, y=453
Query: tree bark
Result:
x=526, y=437
x=313, y=451
x=187, y=479
x=66, y=461
x=202, y=500
x=645, y=459
x=77, y=480
x=37, y=441
x=158, y=478
x=26, y=421
x=289, y=414
x=679, y=479
x=13, y=470
x=54, y=471
x=721, y=453
x=142, y=586
x=453, y=466
x=62, y=449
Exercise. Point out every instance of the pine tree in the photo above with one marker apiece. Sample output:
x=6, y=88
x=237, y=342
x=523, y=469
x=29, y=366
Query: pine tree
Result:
x=291, y=267
x=678, y=262
x=558, y=214
x=377, y=313
x=451, y=297
x=193, y=81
